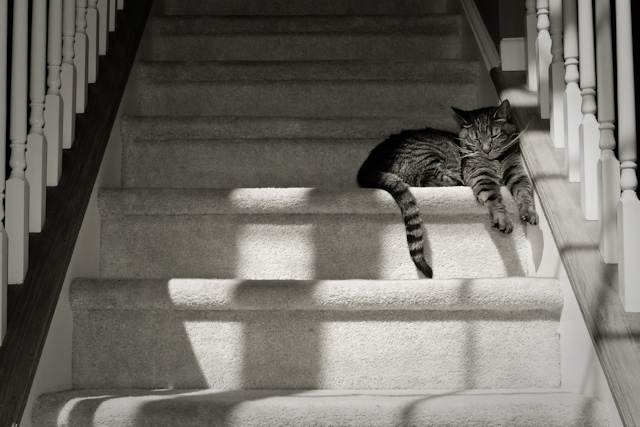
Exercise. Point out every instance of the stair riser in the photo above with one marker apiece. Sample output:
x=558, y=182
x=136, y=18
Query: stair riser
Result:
x=294, y=7
x=294, y=25
x=305, y=247
x=266, y=128
x=278, y=47
x=245, y=163
x=439, y=71
x=317, y=349
x=303, y=99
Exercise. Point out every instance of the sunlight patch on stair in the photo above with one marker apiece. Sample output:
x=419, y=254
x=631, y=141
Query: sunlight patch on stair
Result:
x=290, y=251
x=67, y=411
x=223, y=348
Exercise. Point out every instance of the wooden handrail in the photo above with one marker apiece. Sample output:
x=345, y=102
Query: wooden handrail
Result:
x=32, y=304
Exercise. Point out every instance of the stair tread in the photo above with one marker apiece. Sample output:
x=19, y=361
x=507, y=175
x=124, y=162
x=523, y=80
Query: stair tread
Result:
x=301, y=233
x=100, y=408
x=443, y=70
x=295, y=7
x=304, y=98
x=167, y=128
x=505, y=294
x=379, y=25
x=448, y=201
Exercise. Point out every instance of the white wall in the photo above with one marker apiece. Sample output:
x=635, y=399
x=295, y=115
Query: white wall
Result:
x=54, y=370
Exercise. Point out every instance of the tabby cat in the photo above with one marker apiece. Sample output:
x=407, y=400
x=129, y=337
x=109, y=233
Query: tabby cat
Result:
x=484, y=155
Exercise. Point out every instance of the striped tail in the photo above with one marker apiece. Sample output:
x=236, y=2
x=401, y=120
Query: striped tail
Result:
x=394, y=185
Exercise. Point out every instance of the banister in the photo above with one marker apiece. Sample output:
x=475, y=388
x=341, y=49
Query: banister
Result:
x=36, y=143
x=556, y=75
x=53, y=100
x=589, y=131
x=32, y=304
x=80, y=60
x=572, y=100
x=69, y=73
x=592, y=205
x=3, y=131
x=608, y=165
x=17, y=192
x=543, y=57
x=629, y=206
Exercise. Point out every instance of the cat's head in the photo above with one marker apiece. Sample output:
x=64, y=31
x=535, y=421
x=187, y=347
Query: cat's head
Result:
x=488, y=130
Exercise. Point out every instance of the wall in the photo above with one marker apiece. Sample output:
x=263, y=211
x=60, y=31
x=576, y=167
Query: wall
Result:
x=54, y=370
x=503, y=18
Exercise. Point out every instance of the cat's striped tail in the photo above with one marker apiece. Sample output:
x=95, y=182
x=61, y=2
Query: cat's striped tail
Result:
x=399, y=190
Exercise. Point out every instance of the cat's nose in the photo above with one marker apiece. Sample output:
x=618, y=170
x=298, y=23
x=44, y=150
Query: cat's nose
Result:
x=486, y=148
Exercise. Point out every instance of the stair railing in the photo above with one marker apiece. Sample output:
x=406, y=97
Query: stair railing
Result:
x=48, y=78
x=583, y=119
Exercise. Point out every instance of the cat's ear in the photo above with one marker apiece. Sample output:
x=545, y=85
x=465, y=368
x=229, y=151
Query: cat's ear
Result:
x=462, y=115
x=503, y=112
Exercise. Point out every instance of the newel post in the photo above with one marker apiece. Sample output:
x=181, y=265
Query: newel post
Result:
x=629, y=205
x=556, y=75
x=572, y=98
x=589, y=128
x=608, y=165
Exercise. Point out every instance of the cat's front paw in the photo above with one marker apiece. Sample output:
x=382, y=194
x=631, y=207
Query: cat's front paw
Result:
x=527, y=213
x=502, y=222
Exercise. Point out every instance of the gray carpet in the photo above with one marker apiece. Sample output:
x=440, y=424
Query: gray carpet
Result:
x=247, y=281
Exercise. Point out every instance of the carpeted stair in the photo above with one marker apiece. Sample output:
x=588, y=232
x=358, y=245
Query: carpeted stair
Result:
x=247, y=281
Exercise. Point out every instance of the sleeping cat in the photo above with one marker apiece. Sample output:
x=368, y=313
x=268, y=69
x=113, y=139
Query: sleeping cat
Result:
x=484, y=155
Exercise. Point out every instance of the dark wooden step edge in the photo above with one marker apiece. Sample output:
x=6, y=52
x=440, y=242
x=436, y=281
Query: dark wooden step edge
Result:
x=615, y=333
x=31, y=305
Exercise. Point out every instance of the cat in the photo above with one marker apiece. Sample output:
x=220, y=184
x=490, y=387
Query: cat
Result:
x=484, y=156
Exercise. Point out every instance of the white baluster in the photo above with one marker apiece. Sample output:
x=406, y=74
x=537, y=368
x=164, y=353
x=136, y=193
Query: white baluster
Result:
x=629, y=205
x=103, y=37
x=112, y=15
x=608, y=164
x=531, y=35
x=543, y=57
x=17, y=202
x=69, y=77
x=4, y=262
x=93, y=31
x=556, y=75
x=81, y=56
x=120, y=4
x=36, y=142
x=572, y=98
x=589, y=128
x=53, y=110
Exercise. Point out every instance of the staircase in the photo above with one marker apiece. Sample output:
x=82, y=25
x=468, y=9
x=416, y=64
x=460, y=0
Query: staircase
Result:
x=247, y=281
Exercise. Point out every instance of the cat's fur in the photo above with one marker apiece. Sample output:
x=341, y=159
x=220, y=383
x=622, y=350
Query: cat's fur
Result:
x=484, y=155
